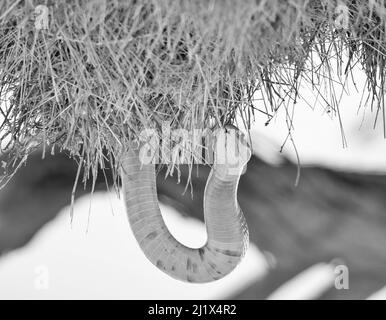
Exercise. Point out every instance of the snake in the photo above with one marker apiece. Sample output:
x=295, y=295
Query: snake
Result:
x=226, y=227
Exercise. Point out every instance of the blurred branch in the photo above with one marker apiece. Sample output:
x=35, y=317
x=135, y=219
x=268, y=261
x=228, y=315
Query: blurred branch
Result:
x=329, y=215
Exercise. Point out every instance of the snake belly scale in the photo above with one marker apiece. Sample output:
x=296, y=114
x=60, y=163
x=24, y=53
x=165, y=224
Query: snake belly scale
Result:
x=226, y=227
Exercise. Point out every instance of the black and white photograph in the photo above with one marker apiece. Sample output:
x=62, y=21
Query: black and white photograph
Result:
x=186, y=150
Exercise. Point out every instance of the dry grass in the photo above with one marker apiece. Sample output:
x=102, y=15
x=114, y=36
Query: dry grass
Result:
x=99, y=75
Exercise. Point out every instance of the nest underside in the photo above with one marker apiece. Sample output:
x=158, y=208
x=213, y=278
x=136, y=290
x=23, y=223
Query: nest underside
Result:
x=103, y=71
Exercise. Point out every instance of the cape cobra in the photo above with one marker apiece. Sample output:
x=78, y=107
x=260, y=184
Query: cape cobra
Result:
x=227, y=231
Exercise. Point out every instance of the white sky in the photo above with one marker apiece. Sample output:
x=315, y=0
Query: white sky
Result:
x=317, y=135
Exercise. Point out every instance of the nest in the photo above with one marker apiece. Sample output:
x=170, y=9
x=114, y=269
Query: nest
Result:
x=101, y=72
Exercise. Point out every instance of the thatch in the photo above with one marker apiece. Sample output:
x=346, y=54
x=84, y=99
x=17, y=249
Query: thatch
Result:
x=101, y=73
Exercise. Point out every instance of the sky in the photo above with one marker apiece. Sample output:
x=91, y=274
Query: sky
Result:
x=317, y=135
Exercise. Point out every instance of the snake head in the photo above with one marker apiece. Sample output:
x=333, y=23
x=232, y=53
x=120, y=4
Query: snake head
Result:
x=232, y=149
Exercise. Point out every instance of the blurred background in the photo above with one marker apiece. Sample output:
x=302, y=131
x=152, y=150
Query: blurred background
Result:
x=303, y=224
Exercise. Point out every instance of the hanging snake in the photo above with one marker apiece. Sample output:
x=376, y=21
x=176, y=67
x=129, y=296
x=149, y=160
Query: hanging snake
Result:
x=227, y=231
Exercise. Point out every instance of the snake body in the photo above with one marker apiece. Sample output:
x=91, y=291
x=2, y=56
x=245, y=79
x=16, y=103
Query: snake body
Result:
x=225, y=223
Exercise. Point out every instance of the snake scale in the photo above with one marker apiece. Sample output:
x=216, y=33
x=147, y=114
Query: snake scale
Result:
x=226, y=227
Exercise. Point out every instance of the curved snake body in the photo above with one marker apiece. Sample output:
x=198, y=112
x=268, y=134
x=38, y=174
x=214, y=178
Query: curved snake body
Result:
x=225, y=223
